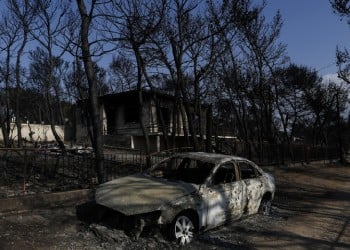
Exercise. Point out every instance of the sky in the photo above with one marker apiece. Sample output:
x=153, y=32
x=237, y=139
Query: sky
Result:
x=311, y=32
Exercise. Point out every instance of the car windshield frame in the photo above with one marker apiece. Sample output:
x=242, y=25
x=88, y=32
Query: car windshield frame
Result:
x=183, y=169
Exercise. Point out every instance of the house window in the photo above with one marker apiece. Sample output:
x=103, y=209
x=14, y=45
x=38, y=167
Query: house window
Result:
x=165, y=113
x=131, y=113
x=111, y=118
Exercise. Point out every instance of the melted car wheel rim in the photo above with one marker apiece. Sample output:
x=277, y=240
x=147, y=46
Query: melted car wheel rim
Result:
x=184, y=230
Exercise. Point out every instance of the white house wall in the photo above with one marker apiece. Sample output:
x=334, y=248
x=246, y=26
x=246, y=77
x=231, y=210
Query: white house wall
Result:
x=40, y=133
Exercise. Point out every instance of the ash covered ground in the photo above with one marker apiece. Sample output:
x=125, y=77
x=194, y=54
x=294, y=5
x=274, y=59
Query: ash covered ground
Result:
x=311, y=211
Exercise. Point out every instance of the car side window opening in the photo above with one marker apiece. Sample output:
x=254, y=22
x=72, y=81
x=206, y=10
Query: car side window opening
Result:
x=248, y=171
x=224, y=174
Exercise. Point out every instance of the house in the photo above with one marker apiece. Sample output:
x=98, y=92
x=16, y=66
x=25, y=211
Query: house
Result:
x=120, y=119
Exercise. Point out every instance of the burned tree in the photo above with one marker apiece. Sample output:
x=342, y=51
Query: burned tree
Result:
x=342, y=8
x=47, y=30
x=86, y=18
x=132, y=24
x=10, y=36
x=23, y=12
x=243, y=72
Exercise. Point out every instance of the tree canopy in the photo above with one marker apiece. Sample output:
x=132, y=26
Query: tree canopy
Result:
x=226, y=54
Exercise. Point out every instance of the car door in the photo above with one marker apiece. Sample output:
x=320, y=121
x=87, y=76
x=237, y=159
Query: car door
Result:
x=222, y=196
x=252, y=182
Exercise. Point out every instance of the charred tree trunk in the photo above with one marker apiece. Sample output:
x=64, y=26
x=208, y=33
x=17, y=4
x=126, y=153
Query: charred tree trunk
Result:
x=184, y=122
x=209, y=129
x=97, y=143
x=189, y=114
x=4, y=125
x=340, y=141
x=144, y=128
x=6, y=119
x=140, y=99
x=164, y=126
x=52, y=123
x=18, y=88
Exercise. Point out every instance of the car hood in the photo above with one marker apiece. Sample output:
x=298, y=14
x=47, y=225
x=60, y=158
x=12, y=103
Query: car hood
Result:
x=140, y=193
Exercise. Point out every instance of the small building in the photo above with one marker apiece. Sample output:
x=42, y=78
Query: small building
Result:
x=161, y=114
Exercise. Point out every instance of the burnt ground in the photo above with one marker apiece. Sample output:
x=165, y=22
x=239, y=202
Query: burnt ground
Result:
x=311, y=211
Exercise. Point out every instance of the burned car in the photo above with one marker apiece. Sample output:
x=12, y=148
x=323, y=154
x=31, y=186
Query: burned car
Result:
x=190, y=192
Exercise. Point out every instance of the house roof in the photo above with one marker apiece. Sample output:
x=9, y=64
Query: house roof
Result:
x=130, y=96
x=133, y=94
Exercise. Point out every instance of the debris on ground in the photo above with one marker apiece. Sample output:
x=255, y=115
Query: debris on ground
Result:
x=311, y=210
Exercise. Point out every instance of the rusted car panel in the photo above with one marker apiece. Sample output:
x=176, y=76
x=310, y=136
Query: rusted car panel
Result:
x=191, y=191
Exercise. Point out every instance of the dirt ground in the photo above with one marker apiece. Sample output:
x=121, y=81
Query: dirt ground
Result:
x=311, y=210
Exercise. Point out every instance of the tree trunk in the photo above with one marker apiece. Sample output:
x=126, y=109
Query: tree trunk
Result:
x=6, y=119
x=186, y=103
x=4, y=130
x=144, y=128
x=97, y=143
x=209, y=129
x=140, y=71
x=18, y=87
x=340, y=141
x=164, y=127
x=17, y=110
x=52, y=123
x=184, y=122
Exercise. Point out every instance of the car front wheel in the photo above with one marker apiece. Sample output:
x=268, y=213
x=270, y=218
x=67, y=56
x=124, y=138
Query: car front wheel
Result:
x=182, y=229
x=265, y=207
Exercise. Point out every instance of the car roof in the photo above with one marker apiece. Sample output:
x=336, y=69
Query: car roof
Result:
x=209, y=157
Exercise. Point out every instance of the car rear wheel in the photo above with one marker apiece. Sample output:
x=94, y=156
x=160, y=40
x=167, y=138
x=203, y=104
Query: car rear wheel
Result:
x=183, y=229
x=265, y=207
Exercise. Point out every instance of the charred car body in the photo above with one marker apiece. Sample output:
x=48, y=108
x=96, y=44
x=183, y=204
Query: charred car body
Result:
x=190, y=192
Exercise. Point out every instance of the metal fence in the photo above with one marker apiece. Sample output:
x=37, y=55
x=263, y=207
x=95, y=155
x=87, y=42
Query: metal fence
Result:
x=29, y=171
x=275, y=154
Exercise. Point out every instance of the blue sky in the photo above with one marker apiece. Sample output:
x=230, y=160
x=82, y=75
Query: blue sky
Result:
x=311, y=31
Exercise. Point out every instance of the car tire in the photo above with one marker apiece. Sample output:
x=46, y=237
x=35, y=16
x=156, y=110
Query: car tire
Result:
x=183, y=229
x=265, y=207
